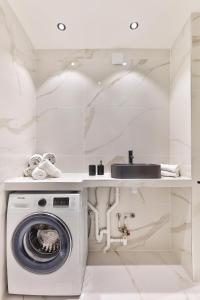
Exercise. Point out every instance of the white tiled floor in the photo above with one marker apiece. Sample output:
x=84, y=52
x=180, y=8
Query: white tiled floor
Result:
x=138, y=276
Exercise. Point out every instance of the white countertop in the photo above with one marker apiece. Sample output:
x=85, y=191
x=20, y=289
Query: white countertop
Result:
x=81, y=180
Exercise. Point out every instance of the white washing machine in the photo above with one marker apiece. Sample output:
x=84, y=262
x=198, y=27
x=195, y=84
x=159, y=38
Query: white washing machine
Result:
x=46, y=243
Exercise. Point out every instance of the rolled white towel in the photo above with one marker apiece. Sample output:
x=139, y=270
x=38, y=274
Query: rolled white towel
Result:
x=171, y=168
x=39, y=174
x=49, y=168
x=28, y=172
x=169, y=174
x=35, y=160
x=51, y=157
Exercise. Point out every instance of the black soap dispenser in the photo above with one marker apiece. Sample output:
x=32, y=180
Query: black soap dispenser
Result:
x=100, y=168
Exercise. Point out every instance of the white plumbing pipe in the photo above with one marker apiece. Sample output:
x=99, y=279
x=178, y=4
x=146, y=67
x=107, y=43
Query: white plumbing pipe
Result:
x=108, y=240
x=123, y=240
x=98, y=232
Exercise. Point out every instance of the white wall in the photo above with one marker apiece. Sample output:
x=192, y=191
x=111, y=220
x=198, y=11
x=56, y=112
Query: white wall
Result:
x=84, y=121
x=181, y=230
x=180, y=144
x=17, y=113
x=180, y=101
x=17, y=95
x=149, y=230
x=196, y=141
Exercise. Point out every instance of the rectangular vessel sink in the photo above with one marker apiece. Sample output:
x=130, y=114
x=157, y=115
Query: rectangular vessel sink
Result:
x=128, y=171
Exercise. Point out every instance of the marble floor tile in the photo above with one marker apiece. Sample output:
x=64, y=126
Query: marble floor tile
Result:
x=108, y=280
x=156, y=281
x=132, y=276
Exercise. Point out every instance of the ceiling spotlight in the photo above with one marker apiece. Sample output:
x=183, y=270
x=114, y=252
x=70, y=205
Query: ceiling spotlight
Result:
x=134, y=25
x=124, y=63
x=61, y=26
x=72, y=63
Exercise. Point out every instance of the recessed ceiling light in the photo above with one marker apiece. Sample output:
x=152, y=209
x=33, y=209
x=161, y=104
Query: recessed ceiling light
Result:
x=61, y=26
x=134, y=25
x=72, y=63
x=124, y=63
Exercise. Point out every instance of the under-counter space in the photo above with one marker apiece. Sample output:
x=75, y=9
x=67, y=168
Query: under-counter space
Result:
x=80, y=180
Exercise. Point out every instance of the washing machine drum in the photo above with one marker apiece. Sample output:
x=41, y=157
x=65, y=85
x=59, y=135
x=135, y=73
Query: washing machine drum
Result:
x=42, y=243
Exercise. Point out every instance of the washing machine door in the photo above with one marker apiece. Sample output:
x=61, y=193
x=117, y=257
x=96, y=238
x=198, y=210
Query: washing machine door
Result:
x=42, y=243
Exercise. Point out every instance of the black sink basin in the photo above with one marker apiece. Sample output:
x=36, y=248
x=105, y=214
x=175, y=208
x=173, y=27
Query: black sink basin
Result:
x=128, y=171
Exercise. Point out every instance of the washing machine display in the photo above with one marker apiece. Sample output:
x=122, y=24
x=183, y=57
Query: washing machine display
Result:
x=42, y=243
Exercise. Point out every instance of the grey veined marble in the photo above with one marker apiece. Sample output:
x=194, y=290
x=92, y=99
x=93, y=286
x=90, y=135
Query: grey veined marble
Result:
x=107, y=109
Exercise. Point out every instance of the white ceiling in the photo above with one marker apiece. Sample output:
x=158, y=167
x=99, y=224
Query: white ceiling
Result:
x=103, y=23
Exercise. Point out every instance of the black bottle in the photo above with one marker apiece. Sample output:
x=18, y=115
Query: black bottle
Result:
x=92, y=170
x=100, y=168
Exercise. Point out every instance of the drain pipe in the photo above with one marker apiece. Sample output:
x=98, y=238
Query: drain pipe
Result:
x=100, y=232
x=110, y=240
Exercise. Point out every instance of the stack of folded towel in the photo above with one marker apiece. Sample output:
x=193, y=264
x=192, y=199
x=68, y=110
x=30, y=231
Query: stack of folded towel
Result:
x=42, y=166
x=170, y=170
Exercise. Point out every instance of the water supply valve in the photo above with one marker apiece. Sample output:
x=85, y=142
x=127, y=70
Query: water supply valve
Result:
x=124, y=230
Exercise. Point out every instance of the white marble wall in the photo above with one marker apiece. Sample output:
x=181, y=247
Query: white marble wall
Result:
x=96, y=110
x=180, y=144
x=196, y=141
x=180, y=101
x=181, y=226
x=17, y=113
x=150, y=229
x=17, y=95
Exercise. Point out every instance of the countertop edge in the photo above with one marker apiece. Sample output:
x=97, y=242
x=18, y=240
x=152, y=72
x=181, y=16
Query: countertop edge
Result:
x=82, y=180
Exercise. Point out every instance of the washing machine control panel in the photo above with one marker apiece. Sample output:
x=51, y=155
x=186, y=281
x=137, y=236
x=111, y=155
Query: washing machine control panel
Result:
x=46, y=201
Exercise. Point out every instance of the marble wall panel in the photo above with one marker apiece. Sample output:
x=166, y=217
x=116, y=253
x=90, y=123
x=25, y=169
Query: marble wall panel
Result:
x=180, y=144
x=17, y=95
x=18, y=111
x=150, y=229
x=196, y=141
x=180, y=101
x=181, y=226
x=94, y=110
x=102, y=110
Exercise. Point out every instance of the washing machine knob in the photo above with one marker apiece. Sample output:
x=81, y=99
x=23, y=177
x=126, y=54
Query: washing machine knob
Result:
x=42, y=202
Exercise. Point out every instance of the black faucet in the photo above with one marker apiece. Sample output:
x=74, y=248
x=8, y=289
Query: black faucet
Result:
x=130, y=156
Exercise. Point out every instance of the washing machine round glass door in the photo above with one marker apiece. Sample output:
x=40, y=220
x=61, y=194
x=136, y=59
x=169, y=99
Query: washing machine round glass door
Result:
x=42, y=243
